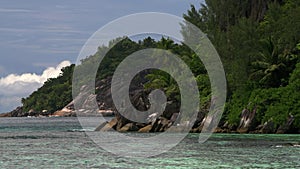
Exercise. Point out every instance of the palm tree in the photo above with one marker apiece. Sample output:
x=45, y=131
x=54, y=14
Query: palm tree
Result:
x=269, y=67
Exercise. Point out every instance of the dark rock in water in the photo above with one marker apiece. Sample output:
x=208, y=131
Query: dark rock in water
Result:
x=289, y=145
x=121, y=121
x=110, y=126
x=161, y=124
x=98, y=128
x=129, y=127
x=145, y=129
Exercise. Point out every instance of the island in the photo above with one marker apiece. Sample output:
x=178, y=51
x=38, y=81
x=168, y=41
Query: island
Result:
x=259, y=46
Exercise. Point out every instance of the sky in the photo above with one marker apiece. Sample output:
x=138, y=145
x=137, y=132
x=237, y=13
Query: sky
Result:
x=38, y=38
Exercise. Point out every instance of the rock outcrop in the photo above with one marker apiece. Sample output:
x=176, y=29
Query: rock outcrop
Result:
x=155, y=122
x=247, y=120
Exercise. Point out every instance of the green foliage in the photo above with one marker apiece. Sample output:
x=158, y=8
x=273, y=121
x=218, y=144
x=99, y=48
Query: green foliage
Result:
x=269, y=67
x=259, y=45
x=235, y=106
x=258, y=42
x=278, y=104
x=204, y=90
x=275, y=104
x=57, y=92
x=162, y=80
x=53, y=95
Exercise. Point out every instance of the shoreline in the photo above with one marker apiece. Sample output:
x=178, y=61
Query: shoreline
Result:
x=218, y=130
x=157, y=123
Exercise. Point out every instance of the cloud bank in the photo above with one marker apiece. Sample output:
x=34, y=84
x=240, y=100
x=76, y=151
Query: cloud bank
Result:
x=14, y=87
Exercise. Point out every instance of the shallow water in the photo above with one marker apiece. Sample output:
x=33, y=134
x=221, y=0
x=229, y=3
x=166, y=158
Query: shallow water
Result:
x=60, y=143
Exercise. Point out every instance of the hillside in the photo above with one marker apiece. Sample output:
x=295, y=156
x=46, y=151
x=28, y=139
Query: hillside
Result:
x=259, y=45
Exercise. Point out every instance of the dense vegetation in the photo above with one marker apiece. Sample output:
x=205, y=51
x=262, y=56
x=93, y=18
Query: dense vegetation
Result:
x=258, y=42
x=57, y=92
x=259, y=45
x=53, y=95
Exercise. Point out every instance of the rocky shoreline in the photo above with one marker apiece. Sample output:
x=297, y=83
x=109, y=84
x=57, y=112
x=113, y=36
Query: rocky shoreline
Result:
x=161, y=124
x=156, y=123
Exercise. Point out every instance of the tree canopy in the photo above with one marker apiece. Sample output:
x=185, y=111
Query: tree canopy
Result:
x=259, y=45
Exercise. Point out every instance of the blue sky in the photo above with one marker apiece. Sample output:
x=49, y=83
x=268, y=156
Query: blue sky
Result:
x=36, y=36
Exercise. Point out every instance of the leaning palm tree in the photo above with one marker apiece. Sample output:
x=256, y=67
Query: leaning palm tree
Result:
x=268, y=68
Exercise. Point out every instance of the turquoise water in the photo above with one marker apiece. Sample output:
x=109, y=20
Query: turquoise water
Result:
x=60, y=143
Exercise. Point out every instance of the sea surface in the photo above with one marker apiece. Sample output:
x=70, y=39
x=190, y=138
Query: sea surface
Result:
x=62, y=143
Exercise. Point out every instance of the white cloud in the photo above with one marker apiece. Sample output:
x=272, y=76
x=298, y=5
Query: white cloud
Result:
x=50, y=72
x=14, y=87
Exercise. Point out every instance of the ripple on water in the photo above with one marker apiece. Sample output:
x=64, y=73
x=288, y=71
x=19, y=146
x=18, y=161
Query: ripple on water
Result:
x=66, y=146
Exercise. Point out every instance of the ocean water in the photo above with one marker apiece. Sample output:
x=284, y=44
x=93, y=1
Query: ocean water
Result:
x=61, y=143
